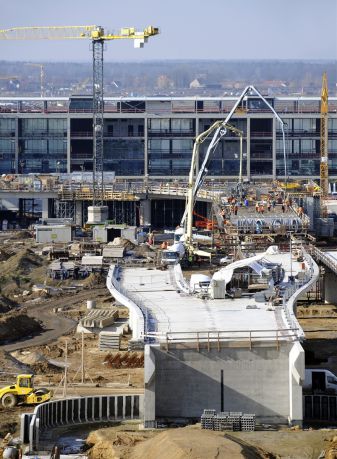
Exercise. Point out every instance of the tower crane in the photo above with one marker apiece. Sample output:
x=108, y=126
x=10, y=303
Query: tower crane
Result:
x=324, y=168
x=42, y=75
x=98, y=36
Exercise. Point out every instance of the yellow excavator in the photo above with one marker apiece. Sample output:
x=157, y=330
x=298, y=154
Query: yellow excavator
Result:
x=23, y=392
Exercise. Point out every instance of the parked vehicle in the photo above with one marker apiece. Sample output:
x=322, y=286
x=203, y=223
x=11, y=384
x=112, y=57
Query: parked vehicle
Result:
x=320, y=380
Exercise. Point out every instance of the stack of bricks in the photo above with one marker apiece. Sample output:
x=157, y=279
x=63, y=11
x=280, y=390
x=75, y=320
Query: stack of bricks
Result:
x=248, y=422
x=207, y=419
x=227, y=420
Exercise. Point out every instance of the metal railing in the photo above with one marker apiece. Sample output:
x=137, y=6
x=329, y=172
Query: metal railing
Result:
x=217, y=339
x=322, y=257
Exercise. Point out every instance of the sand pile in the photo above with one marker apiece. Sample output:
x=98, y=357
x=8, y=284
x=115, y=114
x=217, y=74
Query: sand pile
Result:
x=112, y=444
x=183, y=443
x=21, y=235
x=144, y=251
x=121, y=242
x=23, y=262
x=28, y=358
x=15, y=326
x=188, y=443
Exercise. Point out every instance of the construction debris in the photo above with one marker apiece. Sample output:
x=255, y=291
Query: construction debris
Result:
x=99, y=318
x=126, y=360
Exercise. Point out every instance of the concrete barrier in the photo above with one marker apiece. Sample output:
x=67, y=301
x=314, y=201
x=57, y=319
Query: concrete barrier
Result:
x=79, y=410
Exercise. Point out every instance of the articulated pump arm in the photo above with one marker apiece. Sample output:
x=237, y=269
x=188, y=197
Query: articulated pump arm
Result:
x=249, y=90
x=220, y=128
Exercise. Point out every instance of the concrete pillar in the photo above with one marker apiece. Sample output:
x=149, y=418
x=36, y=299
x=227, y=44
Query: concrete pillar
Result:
x=248, y=148
x=79, y=213
x=146, y=155
x=296, y=380
x=330, y=290
x=150, y=385
x=145, y=212
x=16, y=160
x=274, y=149
x=45, y=208
x=68, y=146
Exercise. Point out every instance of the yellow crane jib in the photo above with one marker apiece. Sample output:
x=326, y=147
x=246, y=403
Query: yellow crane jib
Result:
x=98, y=36
x=92, y=32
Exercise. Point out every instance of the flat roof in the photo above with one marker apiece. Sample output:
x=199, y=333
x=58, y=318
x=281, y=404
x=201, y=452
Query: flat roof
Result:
x=175, y=312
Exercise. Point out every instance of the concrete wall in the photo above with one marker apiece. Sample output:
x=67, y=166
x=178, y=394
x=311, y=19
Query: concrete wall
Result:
x=183, y=382
x=81, y=410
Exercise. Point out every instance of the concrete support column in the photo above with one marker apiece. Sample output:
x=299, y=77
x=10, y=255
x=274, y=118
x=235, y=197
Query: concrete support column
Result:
x=146, y=155
x=248, y=148
x=296, y=380
x=145, y=212
x=150, y=386
x=16, y=158
x=274, y=149
x=79, y=213
x=68, y=146
x=45, y=208
x=330, y=279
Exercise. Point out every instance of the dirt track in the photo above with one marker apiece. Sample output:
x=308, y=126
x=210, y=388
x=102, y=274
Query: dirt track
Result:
x=54, y=325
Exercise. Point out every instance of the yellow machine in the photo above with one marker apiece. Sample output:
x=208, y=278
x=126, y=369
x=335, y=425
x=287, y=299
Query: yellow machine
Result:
x=23, y=391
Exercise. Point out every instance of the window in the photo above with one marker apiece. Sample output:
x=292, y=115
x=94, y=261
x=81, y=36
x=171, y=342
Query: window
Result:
x=24, y=382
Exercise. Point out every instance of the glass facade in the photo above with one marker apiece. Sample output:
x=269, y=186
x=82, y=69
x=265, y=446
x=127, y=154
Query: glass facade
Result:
x=169, y=157
x=162, y=132
x=42, y=145
x=7, y=145
x=124, y=157
x=225, y=160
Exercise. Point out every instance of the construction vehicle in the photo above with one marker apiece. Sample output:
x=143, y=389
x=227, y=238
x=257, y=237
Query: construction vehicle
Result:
x=219, y=130
x=23, y=391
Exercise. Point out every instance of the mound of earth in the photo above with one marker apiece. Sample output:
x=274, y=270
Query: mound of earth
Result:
x=6, y=304
x=121, y=242
x=21, y=234
x=22, y=263
x=14, y=326
x=188, y=442
x=93, y=280
x=4, y=254
x=28, y=358
x=144, y=251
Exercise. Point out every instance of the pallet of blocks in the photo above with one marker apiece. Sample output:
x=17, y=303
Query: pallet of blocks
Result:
x=228, y=420
x=207, y=419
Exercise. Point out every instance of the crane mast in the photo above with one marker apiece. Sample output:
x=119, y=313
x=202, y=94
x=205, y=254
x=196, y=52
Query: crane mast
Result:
x=98, y=123
x=324, y=169
x=98, y=36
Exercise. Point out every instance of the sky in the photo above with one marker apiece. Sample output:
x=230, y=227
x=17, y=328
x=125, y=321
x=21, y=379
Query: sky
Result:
x=190, y=29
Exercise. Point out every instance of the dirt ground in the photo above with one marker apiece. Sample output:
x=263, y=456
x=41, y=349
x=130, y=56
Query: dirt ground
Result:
x=193, y=443
x=21, y=267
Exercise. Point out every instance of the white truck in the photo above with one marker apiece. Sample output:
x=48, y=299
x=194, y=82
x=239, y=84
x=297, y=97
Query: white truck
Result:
x=173, y=254
x=319, y=380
